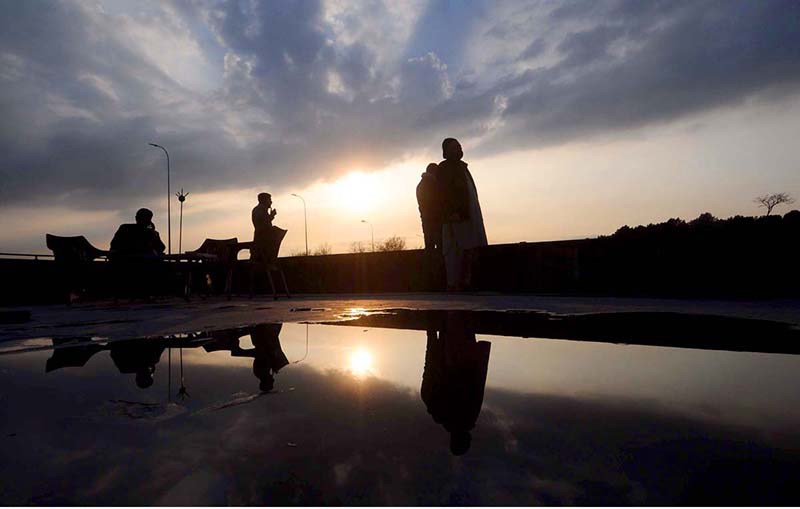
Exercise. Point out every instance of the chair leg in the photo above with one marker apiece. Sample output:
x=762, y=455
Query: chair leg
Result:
x=187, y=289
x=285, y=286
x=272, y=285
x=252, y=279
x=229, y=282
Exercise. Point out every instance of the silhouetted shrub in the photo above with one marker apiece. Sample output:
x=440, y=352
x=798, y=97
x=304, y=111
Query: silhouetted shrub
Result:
x=323, y=249
x=392, y=244
x=739, y=255
x=359, y=247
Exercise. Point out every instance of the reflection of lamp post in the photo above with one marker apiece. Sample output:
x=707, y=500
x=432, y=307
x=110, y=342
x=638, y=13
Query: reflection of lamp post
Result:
x=169, y=374
x=182, y=392
x=181, y=198
x=305, y=218
x=298, y=361
x=372, y=230
x=169, y=197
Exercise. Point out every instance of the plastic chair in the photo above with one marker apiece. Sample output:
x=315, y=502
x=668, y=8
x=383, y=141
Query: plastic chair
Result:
x=226, y=251
x=266, y=256
x=74, y=255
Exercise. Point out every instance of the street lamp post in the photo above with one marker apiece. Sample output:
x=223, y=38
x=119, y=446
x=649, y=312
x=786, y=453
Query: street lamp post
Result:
x=372, y=231
x=181, y=198
x=169, y=199
x=305, y=218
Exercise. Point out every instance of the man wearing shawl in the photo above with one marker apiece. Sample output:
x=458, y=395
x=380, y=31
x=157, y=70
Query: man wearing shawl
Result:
x=462, y=227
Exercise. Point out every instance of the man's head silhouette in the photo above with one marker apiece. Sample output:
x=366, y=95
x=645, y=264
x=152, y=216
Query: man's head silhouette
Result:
x=265, y=198
x=460, y=442
x=144, y=216
x=451, y=149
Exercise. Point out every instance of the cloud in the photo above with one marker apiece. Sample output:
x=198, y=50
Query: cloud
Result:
x=638, y=64
x=278, y=94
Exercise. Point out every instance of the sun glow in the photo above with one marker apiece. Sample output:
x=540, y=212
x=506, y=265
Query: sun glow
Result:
x=359, y=192
x=361, y=362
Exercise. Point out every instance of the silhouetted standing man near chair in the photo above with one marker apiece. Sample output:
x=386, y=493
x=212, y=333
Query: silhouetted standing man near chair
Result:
x=262, y=217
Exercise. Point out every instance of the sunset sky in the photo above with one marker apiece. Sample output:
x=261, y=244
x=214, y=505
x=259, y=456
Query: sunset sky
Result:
x=575, y=117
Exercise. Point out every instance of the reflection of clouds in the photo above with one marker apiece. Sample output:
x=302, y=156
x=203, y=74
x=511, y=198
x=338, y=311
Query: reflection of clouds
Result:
x=342, y=470
x=504, y=424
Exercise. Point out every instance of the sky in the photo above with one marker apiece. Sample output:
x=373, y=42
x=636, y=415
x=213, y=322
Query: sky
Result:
x=575, y=117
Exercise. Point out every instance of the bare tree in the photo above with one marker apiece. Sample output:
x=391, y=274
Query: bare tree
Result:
x=358, y=247
x=770, y=201
x=323, y=249
x=392, y=244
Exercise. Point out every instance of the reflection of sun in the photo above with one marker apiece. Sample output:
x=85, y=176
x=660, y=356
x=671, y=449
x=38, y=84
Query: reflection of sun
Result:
x=358, y=192
x=360, y=362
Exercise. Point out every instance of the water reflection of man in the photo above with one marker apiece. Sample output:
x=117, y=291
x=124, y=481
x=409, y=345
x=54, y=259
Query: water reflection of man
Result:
x=138, y=357
x=454, y=379
x=268, y=357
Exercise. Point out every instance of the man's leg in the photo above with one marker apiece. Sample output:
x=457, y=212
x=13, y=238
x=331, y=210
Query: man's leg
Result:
x=428, y=236
x=436, y=259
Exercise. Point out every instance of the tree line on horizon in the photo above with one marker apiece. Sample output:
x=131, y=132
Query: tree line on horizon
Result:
x=677, y=228
x=393, y=243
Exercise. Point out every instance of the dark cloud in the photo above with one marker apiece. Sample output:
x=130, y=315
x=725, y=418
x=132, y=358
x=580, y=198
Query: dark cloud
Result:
x=646, y=63
x=292, y=100
x=534, y=49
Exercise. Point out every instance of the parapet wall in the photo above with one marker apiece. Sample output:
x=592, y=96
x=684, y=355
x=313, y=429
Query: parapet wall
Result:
x=592, y=266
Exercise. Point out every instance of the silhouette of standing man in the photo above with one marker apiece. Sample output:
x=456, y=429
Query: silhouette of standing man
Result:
x=430, y=209
x=262, y=217
x=463, y=227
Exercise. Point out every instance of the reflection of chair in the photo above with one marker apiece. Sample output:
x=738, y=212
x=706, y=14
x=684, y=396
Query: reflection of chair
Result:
x=225, y=250
x=74, y=256
x=264, y=255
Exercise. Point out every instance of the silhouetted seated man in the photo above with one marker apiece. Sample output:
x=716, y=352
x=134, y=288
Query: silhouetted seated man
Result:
x=140, y=357
x=136, y=250
x=139, y=240
x=454, y=379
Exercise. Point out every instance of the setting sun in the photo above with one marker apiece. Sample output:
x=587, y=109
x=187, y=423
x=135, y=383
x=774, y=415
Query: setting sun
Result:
x=359, y=192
